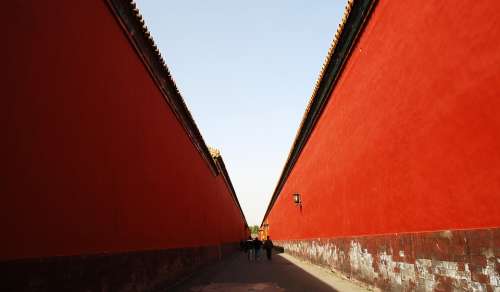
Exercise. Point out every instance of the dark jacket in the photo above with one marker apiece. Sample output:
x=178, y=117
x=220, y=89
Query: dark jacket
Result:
x=257, y=244
x=248, y=244
x=268, y=244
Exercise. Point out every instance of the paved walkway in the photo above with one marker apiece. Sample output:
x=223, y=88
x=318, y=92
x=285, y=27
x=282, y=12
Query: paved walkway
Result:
x=283, y=273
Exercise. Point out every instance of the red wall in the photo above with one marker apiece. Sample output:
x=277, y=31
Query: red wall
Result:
x=410, y=138
x=93, y=158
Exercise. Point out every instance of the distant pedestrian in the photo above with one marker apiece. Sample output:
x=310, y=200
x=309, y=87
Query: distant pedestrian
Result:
x=268, y=246
x=249, y=248
x=257, y=244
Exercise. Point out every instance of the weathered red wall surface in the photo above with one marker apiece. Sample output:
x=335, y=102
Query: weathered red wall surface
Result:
x=93, y=158
x=410, y=138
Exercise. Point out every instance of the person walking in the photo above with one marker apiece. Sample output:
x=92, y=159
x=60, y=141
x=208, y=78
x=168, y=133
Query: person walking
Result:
x=242, y=245
x=268, y=246
x=257, y=244
x=249, y=249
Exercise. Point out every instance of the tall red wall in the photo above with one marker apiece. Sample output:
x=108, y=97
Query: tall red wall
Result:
x=93, y=158
x=410, y=137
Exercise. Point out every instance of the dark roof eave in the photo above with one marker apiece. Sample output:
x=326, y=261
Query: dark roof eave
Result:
x=133, y=25
x=227, y=180
x=353, y=26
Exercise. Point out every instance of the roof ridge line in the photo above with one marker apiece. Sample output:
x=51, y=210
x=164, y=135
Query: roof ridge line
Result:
x=128, y=15
x=355, y=15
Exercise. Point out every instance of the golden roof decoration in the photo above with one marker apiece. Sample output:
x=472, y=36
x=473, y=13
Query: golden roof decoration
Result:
x=214, y=152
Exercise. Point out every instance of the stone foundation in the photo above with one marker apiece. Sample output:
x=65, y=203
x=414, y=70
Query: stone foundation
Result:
x=132, y=271
x=451, y=260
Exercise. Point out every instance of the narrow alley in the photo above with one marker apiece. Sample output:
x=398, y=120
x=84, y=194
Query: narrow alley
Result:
x=283, y=273
x=391, y=180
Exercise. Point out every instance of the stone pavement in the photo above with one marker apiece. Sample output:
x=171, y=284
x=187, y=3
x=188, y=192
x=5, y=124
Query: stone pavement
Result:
x=283, y=273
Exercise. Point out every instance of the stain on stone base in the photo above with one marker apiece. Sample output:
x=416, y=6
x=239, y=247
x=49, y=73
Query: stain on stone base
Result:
x=131, y=271
x=451, y=260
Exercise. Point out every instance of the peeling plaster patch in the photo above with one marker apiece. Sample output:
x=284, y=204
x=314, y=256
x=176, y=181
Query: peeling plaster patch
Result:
x=422, y=274
x=362, y=261
x=446, y=234
x=450, y=270
x=491, y=272
x=426, y=279
x=488, y=253
x=400, y=273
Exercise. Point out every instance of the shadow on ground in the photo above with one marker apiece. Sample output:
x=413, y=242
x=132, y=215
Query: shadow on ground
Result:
x=236, y=273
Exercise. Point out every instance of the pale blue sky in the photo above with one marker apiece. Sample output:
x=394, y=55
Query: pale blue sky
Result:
x=246, y=70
